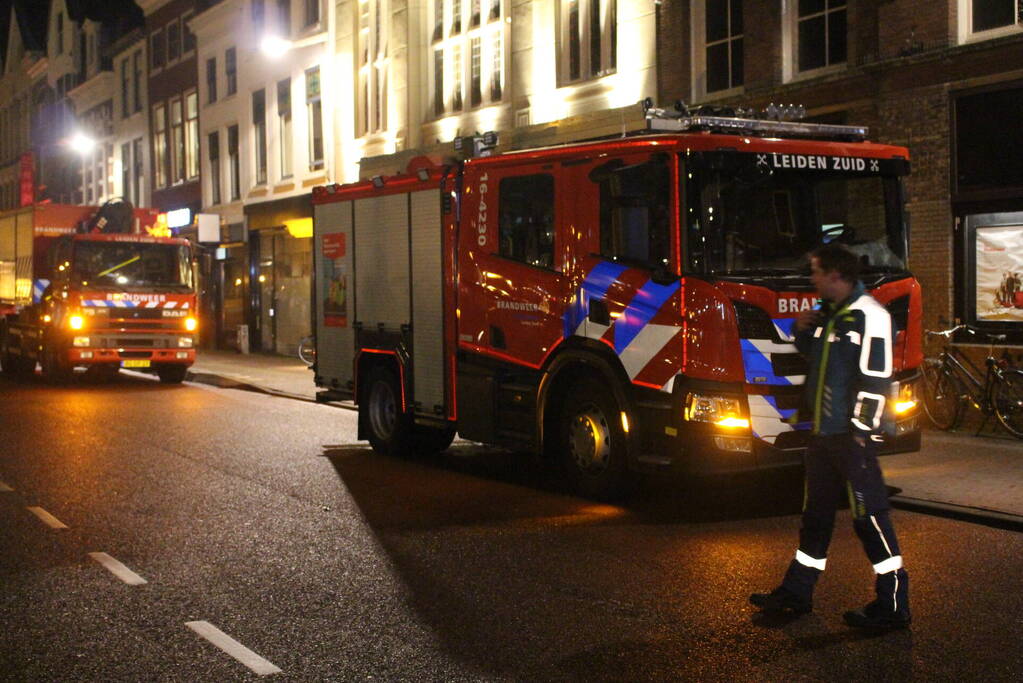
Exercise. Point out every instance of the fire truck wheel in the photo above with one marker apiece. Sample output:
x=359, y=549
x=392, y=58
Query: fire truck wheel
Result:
x=172, y=374
x=103, y=372
x=389, y=428
x=430, y=441
x=593, y=451
x=54, y=368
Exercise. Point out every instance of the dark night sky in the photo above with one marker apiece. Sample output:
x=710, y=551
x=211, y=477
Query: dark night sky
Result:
x=94, y=9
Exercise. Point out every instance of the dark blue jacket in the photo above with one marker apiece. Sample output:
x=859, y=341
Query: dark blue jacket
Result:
x=850, y=354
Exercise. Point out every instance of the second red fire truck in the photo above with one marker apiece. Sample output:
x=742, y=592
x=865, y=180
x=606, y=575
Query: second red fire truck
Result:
x=615, y=305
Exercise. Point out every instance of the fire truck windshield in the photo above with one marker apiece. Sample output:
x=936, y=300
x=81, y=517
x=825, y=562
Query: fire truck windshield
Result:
x=761, y=214
x=131, y=264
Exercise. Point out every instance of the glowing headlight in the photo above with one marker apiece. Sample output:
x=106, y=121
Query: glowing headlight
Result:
x=191, y=324
x=185, y=342
x=906, y=401
x=76, y=322
x=722, y=411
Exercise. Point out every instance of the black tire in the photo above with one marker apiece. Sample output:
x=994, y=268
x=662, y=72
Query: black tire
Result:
x=103, y=372
x=943, y=401
x=55, y=369
x=592, y=447
x=431, y=441
x=388, y=427
x=172, y=374
x=1008, y=402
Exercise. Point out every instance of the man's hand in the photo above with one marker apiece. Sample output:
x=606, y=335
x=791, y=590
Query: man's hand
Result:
x=807, y=319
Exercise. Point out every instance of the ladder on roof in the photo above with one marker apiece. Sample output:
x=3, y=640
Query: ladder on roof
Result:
x=771, y=122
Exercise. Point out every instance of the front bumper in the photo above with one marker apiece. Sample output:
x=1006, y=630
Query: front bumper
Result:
x=130, y=356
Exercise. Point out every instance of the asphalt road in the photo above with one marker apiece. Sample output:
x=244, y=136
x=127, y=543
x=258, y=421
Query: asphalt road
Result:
x=260, y=520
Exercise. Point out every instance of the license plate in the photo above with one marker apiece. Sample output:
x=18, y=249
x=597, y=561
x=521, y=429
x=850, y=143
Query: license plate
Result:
x=134, y=364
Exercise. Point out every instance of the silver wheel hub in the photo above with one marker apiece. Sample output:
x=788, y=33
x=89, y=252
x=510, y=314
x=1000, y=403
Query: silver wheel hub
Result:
x=589, y=439
x=383, y=411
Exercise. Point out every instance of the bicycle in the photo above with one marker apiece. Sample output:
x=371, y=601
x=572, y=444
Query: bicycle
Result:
x=952, y=381
x=307, y=350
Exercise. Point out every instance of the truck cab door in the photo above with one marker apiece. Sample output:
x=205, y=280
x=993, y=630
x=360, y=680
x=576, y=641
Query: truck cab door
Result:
x=512, y=290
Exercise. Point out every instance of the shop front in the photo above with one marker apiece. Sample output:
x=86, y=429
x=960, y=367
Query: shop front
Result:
x=279, y=274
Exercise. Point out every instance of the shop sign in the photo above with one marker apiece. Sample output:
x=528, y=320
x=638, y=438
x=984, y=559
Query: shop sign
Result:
x=1000, y=273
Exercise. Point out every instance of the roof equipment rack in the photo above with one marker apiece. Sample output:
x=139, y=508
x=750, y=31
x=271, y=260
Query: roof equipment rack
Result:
x=775, y=120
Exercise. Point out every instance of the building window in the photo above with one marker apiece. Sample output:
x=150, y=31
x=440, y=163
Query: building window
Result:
x=173, y=41
x=468, y=54
x=214, y=152
x=125, y=92
x=234, y=163
x=314, y=108
x=985, y=19
x=526, y=219
x=258, y=16
x=259, y=134
x=284, y=18
x=211, y=80
x=160, y=145
x=126, y=169
x=158, y=50
x=187, y=37
x=718, y=60
x=372, y=64
x=231, y=71
x=192, y=135
x=312, y=12
x=138, y=170
x=177, y=127
x=588, y=38
x=284, y=125
x=136, y=79
x=820, y=34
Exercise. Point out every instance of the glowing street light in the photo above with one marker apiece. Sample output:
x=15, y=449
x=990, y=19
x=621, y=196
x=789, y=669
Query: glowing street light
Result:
x=275, y=47
x=82, y=143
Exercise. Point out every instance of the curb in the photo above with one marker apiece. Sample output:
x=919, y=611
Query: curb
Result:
x=962, y=513
x=225, y=382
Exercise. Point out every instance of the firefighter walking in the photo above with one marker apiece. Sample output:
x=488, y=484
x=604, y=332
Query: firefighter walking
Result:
x=849, y=345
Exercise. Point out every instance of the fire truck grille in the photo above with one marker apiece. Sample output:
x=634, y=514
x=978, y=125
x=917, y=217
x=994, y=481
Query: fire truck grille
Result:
x=135, y=313
x=135, y=354
x=134, y=341
x=788, y=364
x=754, y=323
x=787, y=398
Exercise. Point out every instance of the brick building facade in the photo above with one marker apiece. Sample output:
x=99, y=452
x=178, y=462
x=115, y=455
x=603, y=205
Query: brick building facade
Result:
x=905, y=68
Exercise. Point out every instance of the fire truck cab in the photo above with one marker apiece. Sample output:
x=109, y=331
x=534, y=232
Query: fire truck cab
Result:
x=616, y=305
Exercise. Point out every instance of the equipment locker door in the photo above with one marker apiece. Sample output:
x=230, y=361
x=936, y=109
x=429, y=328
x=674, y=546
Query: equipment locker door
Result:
x=332, y=256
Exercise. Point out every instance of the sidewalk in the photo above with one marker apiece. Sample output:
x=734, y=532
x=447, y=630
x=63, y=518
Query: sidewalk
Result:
x=977, y=478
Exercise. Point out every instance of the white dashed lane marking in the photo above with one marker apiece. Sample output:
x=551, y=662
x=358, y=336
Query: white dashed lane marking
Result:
x=118, y=569
x=254, y=662
x=48, y=519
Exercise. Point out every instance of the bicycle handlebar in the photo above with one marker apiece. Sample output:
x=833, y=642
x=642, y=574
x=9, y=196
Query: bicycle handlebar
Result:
x=947, y=334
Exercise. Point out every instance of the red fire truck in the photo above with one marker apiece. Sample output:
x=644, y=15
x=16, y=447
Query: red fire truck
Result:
x=88, y=286
x=616, y=305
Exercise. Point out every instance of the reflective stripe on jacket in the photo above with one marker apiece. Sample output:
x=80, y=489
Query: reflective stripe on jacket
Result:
x=850, y=354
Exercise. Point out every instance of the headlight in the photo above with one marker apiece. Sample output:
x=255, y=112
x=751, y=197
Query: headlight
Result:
x=80, y=341
x=191, y=324
x=906, y=400
x=723, y=411
x=185, y=342
x=76, y=322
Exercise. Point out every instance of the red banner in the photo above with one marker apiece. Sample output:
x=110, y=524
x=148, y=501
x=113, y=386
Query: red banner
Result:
x=27, y=180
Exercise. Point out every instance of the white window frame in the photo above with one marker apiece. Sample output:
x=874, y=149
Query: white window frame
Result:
x=790, y=43
x=372, y=62
x=698, y=24
x=965, y=24
x=456, y=53
x=608, y=30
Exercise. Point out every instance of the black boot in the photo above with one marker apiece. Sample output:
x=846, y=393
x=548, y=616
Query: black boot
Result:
x=878, y=617
x=781, y=599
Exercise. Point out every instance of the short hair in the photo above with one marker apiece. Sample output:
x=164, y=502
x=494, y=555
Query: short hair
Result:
x=837, y=258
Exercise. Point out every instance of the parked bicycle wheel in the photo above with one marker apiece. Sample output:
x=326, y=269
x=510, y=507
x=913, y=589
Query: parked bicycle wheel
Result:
x=1008, y=401
x=942, y=397
x=307, y=350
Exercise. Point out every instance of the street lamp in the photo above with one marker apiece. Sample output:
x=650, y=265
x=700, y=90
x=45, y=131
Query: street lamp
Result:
x=275, y=47
x=82, y=143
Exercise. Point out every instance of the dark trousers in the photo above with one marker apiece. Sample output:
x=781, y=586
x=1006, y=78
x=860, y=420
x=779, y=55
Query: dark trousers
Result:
x=837, y=466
